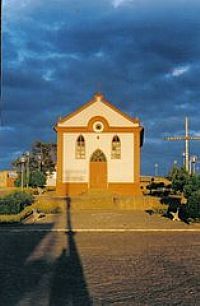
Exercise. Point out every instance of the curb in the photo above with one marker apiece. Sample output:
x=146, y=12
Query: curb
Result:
x=77, y=230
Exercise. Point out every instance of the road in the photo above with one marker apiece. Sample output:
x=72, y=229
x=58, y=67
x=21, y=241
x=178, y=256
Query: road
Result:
x=130, y=268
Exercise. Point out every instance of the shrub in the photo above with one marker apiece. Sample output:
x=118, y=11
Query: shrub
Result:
x=193, y=205
x=154, y=185
x=18, y=180
x=15, y=202
x=192, y=186
x=37, y=179
x=179, y=177
x=16, y=218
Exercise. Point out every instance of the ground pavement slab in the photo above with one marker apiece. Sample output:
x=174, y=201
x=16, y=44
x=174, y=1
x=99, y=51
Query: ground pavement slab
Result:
x=73, y=259
x=113, y=220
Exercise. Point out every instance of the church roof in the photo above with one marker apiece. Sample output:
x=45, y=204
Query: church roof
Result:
x=98, y=97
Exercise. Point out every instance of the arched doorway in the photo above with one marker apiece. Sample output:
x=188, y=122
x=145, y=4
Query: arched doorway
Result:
x=98, y=170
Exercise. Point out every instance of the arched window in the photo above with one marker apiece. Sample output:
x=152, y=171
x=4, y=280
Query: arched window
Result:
x=98, y=156
x=80, y=147
x=116, y=148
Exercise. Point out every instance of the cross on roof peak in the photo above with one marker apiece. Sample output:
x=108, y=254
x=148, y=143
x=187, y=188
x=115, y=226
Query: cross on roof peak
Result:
x=98, y=96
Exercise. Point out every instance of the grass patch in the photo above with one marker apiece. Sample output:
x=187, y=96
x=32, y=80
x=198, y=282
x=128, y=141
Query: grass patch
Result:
x=42, y=204
x=48, y=205
x=17, y=218
x=7, y=190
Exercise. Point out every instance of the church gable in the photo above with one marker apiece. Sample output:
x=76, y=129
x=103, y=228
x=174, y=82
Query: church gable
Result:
x=98, y=147
x=98, y=106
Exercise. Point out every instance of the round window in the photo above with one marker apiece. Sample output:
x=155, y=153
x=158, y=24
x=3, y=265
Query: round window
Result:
x=98, y=127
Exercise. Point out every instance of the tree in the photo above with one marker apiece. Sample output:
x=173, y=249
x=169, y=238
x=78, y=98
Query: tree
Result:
x=192, y=185
x=18, y=180
x=193, y=205
x=42, y=157
x=37, y=179
x=179, y=178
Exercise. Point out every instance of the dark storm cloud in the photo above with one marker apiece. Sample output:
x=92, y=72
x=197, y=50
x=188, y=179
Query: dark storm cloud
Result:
x=25, y=80
x=143, y=55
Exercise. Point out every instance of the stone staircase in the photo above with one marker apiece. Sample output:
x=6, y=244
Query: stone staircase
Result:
x=104, y=200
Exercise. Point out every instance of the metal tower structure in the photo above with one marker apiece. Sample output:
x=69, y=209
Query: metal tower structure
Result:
x=187, y=138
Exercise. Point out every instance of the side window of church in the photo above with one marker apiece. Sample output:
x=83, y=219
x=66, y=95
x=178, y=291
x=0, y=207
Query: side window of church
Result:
x=116, y=148
x=80, y=147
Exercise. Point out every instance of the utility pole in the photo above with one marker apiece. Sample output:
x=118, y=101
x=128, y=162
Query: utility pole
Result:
x=186, y=145
x=187, y=138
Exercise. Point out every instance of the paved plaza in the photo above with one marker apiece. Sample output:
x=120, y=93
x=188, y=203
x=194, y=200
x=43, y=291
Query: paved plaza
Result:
x=42, y=266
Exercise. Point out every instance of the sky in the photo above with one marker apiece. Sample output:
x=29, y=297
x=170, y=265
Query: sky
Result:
x=143, y=55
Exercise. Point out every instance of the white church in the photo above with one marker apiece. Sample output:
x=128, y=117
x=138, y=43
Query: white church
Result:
x=98, y=147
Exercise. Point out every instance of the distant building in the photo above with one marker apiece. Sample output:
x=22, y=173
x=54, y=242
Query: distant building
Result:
x=98, y=147
x=51, y=179
x=7, y=178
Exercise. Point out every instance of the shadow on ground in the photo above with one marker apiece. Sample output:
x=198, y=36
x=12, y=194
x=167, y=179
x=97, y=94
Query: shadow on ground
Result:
x=174, y=205
x=69, y=285
x=21, y=279
x=18, y=276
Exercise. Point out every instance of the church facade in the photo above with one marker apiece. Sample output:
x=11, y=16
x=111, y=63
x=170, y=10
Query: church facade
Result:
x=98, y=147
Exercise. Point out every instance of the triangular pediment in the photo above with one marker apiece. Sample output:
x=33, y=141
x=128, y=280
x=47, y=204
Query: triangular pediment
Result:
x=98, y=106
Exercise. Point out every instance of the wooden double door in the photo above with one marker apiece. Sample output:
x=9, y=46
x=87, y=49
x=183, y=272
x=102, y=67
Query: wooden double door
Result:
x=98, y=170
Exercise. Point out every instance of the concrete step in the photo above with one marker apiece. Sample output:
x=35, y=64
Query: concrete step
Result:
x=111, y=201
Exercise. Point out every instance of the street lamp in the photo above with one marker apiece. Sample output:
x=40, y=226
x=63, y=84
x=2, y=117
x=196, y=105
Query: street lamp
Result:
x=39, y=158
x=184, y=159
x=22, y=162
x=27, y=154
x=156, y=169
x=193, y=161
